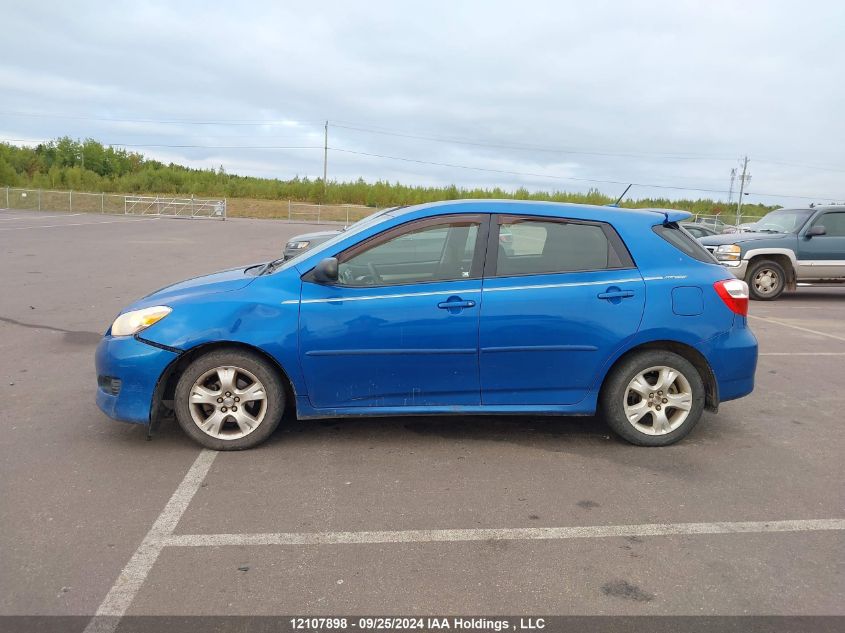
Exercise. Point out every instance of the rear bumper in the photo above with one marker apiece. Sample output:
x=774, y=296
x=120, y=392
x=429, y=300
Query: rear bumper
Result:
x=128, y=371
x=733, y=359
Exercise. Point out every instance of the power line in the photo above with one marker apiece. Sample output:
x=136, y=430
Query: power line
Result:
x=383, y=131
x=573, y=178
x=802, y=165
x=178, y=146
x=162, y=121
x=533, y=148
x=450, y=165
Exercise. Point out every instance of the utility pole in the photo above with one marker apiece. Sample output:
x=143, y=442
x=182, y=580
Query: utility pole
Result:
x=744, y=179
x=731, y=190
x=325, y=158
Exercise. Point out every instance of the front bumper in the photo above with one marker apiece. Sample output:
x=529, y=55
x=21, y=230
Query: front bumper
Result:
x=128, y=371
x=738, y=270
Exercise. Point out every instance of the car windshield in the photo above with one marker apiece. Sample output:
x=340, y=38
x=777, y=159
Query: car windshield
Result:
x=782, y=221
x=352, y=229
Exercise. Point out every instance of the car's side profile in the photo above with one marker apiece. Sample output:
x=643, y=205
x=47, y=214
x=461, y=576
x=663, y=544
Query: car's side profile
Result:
x=427, y=310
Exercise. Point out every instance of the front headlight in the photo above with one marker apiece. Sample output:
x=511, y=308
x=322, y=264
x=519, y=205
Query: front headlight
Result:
x=130, y=323
x=728, y=253
x=298, y=245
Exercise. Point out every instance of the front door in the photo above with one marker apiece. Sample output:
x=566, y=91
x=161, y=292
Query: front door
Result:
x=559, y=298
x=400, y=327
x=823, y=256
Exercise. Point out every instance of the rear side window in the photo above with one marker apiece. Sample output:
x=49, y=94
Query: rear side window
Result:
x=684, y=242
x=539, y=246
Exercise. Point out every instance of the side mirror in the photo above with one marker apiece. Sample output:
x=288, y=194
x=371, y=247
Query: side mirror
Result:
x=326, y=271
x=815, y=230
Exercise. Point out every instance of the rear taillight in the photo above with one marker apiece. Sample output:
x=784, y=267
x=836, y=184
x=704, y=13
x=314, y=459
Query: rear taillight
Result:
x=734, y=292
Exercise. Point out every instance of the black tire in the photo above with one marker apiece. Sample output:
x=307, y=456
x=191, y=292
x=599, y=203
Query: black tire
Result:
x=758, y=290
x=262, y=370
x=614, y=396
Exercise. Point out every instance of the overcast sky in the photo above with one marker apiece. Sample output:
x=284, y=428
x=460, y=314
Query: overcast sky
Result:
x=655, y=93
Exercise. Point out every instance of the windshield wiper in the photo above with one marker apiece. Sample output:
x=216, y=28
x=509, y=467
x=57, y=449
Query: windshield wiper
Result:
x=270, y=266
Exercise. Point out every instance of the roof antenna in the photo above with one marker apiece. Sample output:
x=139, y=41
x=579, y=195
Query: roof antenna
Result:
x=619, y=199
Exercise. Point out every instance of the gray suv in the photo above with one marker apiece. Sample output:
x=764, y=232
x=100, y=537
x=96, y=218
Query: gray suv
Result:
x=783, y=248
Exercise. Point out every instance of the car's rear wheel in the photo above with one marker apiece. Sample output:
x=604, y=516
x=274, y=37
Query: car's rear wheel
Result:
x=229, y=400
x=766, y=280
x=653, y=398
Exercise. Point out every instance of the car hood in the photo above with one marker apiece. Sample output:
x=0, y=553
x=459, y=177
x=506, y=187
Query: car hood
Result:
x=739, y=238
x=311, y=236
x=223, y=281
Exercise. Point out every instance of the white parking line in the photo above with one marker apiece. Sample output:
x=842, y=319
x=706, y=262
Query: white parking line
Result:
x=797, y=327
x=53, y=226
x=39, y=217
x=802, y=354
x=129, y=582
x=503, y=534
x=134, y=574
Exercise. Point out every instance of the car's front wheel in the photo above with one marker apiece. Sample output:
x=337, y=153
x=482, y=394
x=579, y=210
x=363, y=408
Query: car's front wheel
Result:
x=229, y=400
x=653, y=398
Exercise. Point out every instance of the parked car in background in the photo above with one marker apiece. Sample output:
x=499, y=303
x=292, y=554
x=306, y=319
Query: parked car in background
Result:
x=301, y=243
x=785, y=247
x=745, y=227
x=425, y=310
x=699, y=230
x=714, y=223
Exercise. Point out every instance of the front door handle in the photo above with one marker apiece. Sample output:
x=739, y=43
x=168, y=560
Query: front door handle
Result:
x=456, y=304
x=616, y=294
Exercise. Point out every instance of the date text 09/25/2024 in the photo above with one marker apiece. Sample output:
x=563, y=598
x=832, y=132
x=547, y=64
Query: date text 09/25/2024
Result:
x=415, y=623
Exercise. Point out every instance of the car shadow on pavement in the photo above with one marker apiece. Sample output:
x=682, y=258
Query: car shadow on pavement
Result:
x=543, y=432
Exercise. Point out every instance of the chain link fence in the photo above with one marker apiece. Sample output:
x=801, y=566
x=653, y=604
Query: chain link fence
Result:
x=727, y=223
x=85, y=202
x=318, y=213
x=191, y=207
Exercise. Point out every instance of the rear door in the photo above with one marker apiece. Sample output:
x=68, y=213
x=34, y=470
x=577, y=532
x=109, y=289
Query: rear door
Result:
x=823, y=256
x=559, y=297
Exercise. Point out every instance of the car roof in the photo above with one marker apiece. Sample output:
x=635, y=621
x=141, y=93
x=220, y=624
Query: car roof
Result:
x=818, y=207
x=542, y=207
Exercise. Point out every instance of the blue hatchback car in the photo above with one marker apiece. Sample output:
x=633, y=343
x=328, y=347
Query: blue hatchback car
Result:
x=460, y=307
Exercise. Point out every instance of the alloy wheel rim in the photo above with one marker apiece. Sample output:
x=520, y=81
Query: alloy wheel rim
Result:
x=228, y=402
x=658, y=400
x=766, y=281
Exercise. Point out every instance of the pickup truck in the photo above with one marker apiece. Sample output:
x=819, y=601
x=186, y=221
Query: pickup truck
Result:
x=784, y=248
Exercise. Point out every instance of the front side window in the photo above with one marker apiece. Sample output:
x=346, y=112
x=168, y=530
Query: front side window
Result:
x=532, y=247
x=441, y=251
x=833, y=223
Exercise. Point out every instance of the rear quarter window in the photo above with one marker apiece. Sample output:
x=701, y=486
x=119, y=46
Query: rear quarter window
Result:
x=684, y=242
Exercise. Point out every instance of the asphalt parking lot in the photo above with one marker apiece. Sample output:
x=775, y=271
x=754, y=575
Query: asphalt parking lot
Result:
x=458, y=515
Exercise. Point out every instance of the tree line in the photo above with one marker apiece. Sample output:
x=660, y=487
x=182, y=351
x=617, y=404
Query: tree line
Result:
x=88, y=165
